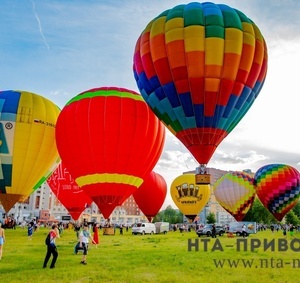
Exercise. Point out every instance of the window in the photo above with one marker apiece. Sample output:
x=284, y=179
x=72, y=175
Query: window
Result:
x=37, y=202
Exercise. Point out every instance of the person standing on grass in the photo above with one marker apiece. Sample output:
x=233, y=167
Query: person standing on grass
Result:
x=284, y=230
x=2, y=239
x=213, y=231
x=244, y=233
x=95, y=234
x=30, y=231
x=84, y=237
x=77, y=230
x=51, y=247
x=292, y=230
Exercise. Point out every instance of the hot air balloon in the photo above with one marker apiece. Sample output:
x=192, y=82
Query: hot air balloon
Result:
x=200, y=66
x=278, y=188
x=189, y=197
x=109, y=140
x=64, y=187
x=235, y=191
x=27, y=147
x=151, y=195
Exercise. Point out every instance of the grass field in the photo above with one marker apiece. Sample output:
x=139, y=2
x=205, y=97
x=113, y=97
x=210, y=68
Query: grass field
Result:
x=152, y=258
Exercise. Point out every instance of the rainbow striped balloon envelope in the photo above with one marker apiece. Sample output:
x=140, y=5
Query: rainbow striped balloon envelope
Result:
x=278, y=188
x=200, y=66
x=235, y=191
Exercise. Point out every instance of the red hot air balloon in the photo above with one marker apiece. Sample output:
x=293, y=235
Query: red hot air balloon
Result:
x=200, y=66
x=151, y=195
x=64, y=187
x=278, y=188
x=109, y=140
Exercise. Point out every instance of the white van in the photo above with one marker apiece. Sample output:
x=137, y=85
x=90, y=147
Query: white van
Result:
x=143, y=228
x=237, y=227
x=162, y=227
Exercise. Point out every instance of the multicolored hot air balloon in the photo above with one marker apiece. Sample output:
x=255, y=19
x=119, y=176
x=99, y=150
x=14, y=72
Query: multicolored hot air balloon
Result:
x=151, y=195
x=278, y=188
x=189, y=197
x=235, y=191
x=27, y=143
x=64, y=187
x=200, y=66
x=109, y=140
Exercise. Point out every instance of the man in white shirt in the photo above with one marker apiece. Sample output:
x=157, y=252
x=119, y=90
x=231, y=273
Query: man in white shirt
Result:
x=84, y=241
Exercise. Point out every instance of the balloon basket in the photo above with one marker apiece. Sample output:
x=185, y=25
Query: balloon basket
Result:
x=202, y=179
x=108, y=231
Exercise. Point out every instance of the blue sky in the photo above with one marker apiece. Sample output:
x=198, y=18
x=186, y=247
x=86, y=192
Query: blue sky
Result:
x=60, y=48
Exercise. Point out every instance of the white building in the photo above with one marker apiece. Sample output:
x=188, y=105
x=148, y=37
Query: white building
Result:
x=43, y=200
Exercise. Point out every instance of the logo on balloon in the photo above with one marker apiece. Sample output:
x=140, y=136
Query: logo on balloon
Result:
x=8, y=125
x=188, y=190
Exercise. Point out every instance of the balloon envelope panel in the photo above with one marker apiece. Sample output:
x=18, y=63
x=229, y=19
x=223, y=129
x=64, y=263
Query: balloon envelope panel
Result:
x=151, y=195
x=109, y=139
x=278, y=188
x=64, y=187
x=189, y=197
x=200, y=66
x=235, y=191
x=28, y=147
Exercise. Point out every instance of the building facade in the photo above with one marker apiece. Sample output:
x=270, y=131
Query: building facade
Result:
x=43, y=204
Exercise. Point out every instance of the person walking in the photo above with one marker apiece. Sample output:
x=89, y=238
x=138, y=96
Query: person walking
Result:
x=2, y=240
x=84, y=237
x=51, y=247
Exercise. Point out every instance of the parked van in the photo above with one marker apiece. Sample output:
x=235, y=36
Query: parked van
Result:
x=162, y=227
x=143, y=228
x=237, y=227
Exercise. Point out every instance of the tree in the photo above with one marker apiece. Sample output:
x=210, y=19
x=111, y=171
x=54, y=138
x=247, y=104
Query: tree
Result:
x=296, y=210
x=291, y=218
x=170, y=215
x=259, y=214
x=211, y=218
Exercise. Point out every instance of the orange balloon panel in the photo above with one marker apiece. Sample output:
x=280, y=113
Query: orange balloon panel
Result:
x=109, y=139
x=189, y=197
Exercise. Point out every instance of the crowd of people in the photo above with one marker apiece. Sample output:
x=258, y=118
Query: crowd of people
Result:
x=87, y=232
x=83, y=235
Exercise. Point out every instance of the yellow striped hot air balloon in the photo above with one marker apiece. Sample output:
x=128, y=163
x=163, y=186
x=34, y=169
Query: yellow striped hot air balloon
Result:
x=27, y=143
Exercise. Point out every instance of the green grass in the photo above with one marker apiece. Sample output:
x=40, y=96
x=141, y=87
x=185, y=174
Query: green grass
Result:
x=149, y=258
